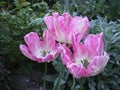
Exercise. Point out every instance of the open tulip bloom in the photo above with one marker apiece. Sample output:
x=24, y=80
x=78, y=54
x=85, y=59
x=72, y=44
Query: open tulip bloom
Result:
x=44, y=50
x=86, y=59
x=64, y=26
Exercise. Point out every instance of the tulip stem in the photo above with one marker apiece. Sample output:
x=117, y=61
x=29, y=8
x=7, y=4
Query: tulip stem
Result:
x=60, y=77
x=66, y=5
x=45, y=71
x=73, y=85
x=82, y=83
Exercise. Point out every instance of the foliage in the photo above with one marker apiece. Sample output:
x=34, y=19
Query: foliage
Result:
x=91, y=8
x=14, y=24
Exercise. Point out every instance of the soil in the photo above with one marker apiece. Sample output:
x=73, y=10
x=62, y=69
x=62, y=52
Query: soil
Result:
x=33, y=81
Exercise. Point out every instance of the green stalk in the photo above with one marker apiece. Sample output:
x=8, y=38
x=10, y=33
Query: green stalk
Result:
x=60, y=77
x=66, y=5
x=57, y=86
x=73, y=85
x=45, y=71
x=82, y=83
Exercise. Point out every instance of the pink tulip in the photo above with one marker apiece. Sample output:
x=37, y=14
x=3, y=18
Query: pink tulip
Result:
x=40, y=50
x=86, y=59
x=64, y=26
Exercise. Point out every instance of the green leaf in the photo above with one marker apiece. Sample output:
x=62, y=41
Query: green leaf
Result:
x=37, y=21
x=51, y=78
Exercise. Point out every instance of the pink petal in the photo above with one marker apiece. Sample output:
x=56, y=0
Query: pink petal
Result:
x=33, y=42
x=80, y=51
x=79, y=25
x=47, y=58
x=86, y=23
x=61, y=30
x=56, y=50
x=97, y=64
x=76, y=70
x=25, y=50
x=48, y=40
x=75, y=43
x=61, y=24
x=66, y=55
x=49, y=22
x=55, y=14
x=67, y=18
x=94, y=44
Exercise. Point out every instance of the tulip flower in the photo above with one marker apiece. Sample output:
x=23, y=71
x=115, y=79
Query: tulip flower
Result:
x=64, y=26
x=86, y=59
x=40, y=50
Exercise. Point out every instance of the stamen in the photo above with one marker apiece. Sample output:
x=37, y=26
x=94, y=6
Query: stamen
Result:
x=83, y=62
x=44, y=52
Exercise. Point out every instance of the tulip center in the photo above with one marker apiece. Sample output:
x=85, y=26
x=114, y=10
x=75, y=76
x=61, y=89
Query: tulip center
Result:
x=83, y=62
x=44, y=52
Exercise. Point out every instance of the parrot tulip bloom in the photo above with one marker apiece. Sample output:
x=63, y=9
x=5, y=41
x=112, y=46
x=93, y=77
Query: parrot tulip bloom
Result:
x=64, y=26
x=39, y=50
x=86, y=59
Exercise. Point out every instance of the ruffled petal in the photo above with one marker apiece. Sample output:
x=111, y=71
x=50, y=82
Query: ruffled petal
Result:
x=76, y=70
x=49, y=22
x=49, y=41
x=79, y=25
x=67, y=18
x=66, y=54
x=47, y=58
x=94, y=44
x=97, y=64
x=79, y=49
x=25, y=51
x=34, y=44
